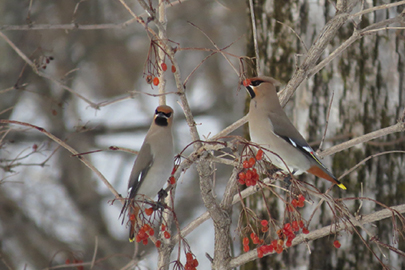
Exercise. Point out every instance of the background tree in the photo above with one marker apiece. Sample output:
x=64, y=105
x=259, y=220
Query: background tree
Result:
x=77, y=69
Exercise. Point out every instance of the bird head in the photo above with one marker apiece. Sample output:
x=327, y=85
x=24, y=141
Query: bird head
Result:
x=259, y=86
x=163, y=115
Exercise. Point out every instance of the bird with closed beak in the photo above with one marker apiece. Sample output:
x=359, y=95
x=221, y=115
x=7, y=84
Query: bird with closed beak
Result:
x=270, y=127
x=154, y=163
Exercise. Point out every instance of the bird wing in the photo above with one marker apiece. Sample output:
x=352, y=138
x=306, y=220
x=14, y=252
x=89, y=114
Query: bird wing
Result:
x=285, y=129
x=143, y=163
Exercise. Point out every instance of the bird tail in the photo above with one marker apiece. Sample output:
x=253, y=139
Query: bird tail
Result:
x=133, y=218
x=323, y=173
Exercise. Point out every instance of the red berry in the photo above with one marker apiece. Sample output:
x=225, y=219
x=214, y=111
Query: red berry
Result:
x=245, y=164
x=158, y=243
x=259, y=253
x=242, y=175
x=264, y=222
x=295, y=226
x=294, y=203
x=189, y=256
x=151, y=232
x=163, y=227
x=279, y=249
x=288, y=243
x=301, y=223
x=270, y=248
x=301, y=203
x=246, y=82
x=259, y=154
x=164, y=66
x=172, y=180
x=166, y=234
x=305, y=231
x=249, y=175
x=155, y=81
x=265, y=229
x=301, y=198
x=132, y=217
x=337, y=244
x=246, y=248
x=145, y=241
x=195, y=263
x=173, y=69
x=245, y=241
x=149, y=211
x=252, y=162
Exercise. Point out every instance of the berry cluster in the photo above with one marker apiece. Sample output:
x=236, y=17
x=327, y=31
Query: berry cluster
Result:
x=155, y=80
x=44, y=61
x=144, y=233
x=191, y=263
x=285, y=237
x=166, y=234
x=298, y=202
x=249, y=175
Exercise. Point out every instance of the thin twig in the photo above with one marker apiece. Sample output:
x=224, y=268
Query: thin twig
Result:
x=71, y=150
x=254, y=30
x=369, y=10
x=399, y=127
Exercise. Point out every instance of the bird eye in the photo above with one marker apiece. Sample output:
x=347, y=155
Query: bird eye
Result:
x=256, y=82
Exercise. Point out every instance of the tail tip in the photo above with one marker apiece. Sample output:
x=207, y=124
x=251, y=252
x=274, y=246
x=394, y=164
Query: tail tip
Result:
x=342, y=186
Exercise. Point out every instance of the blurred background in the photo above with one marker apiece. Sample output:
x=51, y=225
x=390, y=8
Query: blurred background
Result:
x=53, y=208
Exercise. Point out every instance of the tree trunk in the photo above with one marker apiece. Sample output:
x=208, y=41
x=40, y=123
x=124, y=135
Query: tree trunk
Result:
x=366, y=86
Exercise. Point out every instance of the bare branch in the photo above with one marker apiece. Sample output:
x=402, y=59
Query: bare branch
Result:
x=71, y=150
x=399, y=127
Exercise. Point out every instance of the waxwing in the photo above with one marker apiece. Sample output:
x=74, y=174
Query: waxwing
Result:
x=153, y=164
x=270, y=127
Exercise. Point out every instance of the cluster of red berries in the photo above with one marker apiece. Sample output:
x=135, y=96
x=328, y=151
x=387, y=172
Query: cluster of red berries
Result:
x=74, y=261
x=166, y=234
x=286, y=235
x=249, y=175
x=45, y=61
x=155, y=80
x=298, y=202
x=144, y=233
x=191, y=263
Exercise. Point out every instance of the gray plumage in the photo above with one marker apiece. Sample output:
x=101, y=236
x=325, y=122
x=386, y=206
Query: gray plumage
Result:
x=154, y=163
x=270, y=127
